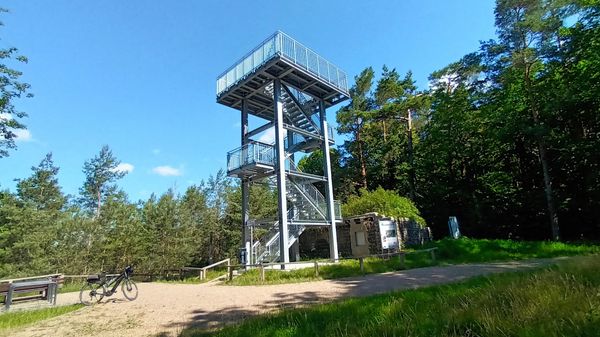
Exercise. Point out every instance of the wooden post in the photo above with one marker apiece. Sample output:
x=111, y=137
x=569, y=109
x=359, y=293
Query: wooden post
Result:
x=316, y=269
x=402, y=258
x=361, y=260
x=262, y=272
x=229, y=270
x=433, y=254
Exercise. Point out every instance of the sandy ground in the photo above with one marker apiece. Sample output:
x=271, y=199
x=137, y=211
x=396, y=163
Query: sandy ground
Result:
x=166, y=309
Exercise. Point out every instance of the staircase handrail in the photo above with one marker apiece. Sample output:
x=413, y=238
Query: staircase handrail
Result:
x=318, y=199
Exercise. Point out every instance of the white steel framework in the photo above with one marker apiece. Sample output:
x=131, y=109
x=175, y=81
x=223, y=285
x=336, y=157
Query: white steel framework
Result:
x=290, y=87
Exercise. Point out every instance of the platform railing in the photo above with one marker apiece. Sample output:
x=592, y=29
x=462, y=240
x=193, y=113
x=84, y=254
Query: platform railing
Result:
x=311, y=61
x=252, y=153
x=282, y=44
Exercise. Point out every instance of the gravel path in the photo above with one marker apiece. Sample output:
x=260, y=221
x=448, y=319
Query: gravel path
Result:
x=166, y=309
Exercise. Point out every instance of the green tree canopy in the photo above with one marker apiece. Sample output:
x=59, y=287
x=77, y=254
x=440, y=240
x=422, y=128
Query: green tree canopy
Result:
x=11, y=88
x=42, y=189
x=384, y=202
x=101, y=173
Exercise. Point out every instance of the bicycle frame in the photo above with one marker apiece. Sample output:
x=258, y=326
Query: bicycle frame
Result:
x=115, y=281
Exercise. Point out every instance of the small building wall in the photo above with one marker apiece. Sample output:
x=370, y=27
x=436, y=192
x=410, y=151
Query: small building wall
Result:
x=411, y=233
x=361, y=236
x=365, y=235
x=314, y=242
x=408, y=232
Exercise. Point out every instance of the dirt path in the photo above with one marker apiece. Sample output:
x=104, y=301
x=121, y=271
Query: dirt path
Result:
x=166, y=309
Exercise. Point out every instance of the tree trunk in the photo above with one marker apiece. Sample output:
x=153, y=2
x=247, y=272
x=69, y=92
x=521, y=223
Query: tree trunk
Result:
x=411, y=172
x=363, y=166
x=543, y=155
x=98, y=208
x=552, y=213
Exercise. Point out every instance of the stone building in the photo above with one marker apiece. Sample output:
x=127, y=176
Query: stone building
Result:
x=364, y=235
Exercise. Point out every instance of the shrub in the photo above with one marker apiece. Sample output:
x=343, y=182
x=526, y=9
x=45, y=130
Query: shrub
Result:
x=384, y=202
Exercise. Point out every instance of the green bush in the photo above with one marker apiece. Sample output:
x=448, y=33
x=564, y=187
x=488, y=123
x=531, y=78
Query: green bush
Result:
x=384, y=202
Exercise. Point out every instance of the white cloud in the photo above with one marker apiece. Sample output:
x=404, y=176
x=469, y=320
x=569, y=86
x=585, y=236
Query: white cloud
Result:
x=268, y=136
x=124, y=167
x=22, y=135
x=167, y=171
x=6, y=116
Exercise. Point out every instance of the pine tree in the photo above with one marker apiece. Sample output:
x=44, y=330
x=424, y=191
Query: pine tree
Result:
x=101, y=173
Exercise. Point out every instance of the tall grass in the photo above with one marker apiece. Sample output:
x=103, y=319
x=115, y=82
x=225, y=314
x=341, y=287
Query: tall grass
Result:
x=467, y=250
x=559, y=301
x=13, y=319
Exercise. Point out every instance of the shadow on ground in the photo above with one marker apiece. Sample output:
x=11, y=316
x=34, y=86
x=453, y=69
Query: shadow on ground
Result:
x=333, y=290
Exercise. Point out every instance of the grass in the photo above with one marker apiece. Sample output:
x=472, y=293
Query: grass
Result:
x=69, y=287
x=467, y=250
x=344, y=268
x=449, y=252
x=563, y=300
x=14, y=319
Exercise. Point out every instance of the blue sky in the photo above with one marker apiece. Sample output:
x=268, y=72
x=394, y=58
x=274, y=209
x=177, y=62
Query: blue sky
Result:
x=140, y=76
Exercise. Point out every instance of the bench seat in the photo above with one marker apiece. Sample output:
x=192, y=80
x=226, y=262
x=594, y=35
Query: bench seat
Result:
x=46, y=290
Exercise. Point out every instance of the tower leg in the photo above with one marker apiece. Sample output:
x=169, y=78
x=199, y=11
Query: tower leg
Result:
x=246, y=239
x=284, y=254
x=333, y=247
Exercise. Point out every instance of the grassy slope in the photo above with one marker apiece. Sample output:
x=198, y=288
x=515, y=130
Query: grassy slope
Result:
x=20, y=318
x=449, y=252
x=482, y=250
x=558, y=301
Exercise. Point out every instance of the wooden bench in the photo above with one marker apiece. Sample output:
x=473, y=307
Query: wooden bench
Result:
x=42, y=289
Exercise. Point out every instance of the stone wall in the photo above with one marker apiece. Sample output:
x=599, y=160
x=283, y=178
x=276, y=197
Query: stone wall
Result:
x=314, y=242
x=411, y=233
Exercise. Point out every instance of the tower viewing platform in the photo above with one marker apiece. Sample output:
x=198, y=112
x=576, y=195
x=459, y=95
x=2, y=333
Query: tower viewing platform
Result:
x=280, y=56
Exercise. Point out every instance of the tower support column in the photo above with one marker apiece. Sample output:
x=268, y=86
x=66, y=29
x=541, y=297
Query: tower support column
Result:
x=284, y=254
x=333, y=247
x=246, y=239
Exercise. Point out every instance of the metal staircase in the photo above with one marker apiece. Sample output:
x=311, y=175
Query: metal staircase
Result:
x=302, y=113
x=307, y=206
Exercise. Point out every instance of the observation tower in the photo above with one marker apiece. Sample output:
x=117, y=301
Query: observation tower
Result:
x=289, y=87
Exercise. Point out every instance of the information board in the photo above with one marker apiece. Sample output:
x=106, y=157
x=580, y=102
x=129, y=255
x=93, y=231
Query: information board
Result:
x=389, y=235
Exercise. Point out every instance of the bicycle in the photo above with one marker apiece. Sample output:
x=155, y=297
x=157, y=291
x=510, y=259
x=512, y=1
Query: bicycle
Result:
x=97, y=287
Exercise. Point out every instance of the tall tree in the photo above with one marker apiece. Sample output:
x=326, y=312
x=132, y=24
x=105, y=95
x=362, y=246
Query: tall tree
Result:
x=11, y=88
x=352, y=117
x=524, y=28
x=397, y=104
x=41, y=189
x=101, y=173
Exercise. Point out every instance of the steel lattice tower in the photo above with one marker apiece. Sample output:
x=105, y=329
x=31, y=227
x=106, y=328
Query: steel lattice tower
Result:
x=290, y=87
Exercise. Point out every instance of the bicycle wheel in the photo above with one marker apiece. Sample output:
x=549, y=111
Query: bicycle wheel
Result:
x=130, y=290
x=91, y=293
